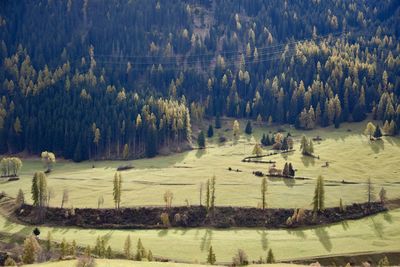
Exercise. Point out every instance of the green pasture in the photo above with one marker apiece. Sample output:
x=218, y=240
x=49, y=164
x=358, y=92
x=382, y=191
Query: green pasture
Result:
x=377, y=233
x=351, y=156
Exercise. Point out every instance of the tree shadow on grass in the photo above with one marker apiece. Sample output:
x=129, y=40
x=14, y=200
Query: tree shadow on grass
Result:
x=324, y=238
x=387, y=217
x=206, y=240
x=289, y=182
x=162, y=232
x=297, y=233
x=307, y=161
x=264, y=240
x=377, y=146
x=377, y=227
x=200, y=153
x=345, y=225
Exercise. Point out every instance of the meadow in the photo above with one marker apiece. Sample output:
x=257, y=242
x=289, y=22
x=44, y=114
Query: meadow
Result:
x=379, y=233
x=351, y=156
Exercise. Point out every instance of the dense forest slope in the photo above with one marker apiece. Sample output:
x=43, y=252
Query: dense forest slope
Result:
x=125, y=78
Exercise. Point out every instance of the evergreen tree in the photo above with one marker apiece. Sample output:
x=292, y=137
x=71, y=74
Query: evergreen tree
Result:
x=201, y=140
x=319, y=196
x=291, y=170
x=208, y=195
x=212, y=189
x=128, y=248
x=270, y=257
x=377, y=132
x=370, y=191
x=249, y=128
x=264, y=193
x=211, y=256
x=383, y=195
x=210, y=131
x=20, y=200
x=117, y=189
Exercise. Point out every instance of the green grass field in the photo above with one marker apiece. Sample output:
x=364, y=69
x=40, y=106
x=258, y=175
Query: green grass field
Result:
x=352, y=158
x=125, y=263
x=377, y=233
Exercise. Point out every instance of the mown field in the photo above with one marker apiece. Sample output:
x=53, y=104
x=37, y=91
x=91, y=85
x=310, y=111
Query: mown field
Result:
x=125, y=263
x=378, y=233
x=351, y=155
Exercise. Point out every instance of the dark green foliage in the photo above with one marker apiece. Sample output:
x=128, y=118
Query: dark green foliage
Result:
x=265, y=141
x=378, y=132
x=211, y=256
x=285, y=145
x=52, y=96
x=270, y=257
x=319, y=196
x=201, y=140
x=210, y=131
x=249, y=128
x=292, y=172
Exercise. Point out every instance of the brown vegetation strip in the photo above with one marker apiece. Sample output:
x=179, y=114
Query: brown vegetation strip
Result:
x=192, y=216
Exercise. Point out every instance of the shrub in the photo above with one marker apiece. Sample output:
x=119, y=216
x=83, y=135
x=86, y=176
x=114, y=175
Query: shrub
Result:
x=165, y=219
x=10, y=262
x=240, y=258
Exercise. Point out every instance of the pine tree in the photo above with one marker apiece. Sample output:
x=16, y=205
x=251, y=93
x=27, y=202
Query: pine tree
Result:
x=264, y=193
x=211, y=256
x=212, y=189
x=208, y=195
x=210, y=131
x=319, y=195
x=286, y=169
x=377, y=132
x=63, y=248
x=20, y=200
x=249, y=128
x=109, y=253
x=291, y=170
x=201, y=140
x=370, y=191
x=150, y=256
x=270, y=257
x=117, y=189
x=128, y=248
x=383, y=195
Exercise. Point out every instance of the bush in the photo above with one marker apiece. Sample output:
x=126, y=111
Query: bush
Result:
x=240, y=258
x=10, y=262
x=165, y=219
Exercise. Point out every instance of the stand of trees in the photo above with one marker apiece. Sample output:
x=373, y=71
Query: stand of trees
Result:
x=10, y=166
x=95, y=88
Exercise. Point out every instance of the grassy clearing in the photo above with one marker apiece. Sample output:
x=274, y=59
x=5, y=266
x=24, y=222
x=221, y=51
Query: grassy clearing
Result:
x=125, y=263
x=352, y=158
x=378, y=233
